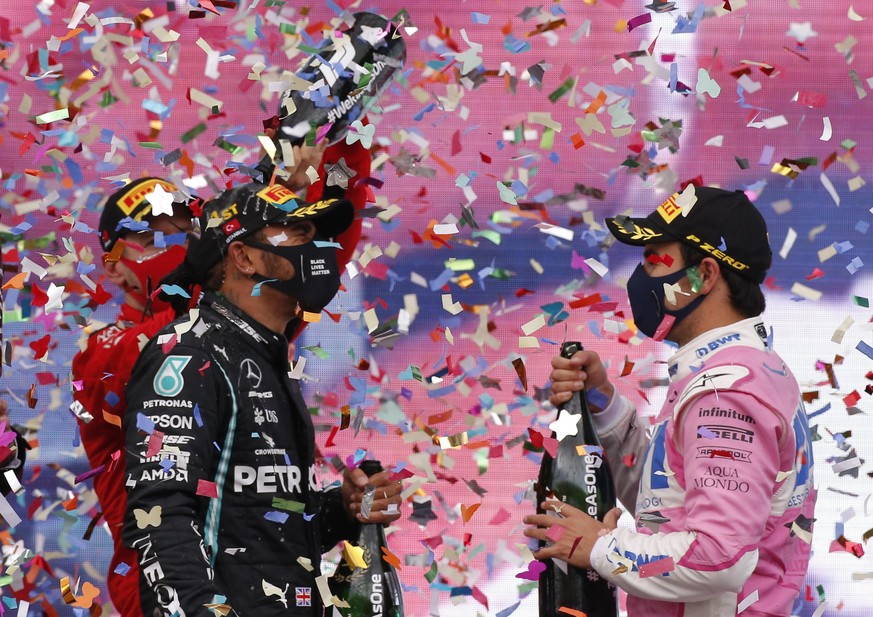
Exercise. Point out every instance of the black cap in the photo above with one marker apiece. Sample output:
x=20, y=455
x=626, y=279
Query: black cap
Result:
x=130, y=202
x=241, y=211
x=723, y=224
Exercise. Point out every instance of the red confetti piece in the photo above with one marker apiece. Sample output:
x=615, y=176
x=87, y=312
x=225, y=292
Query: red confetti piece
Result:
x=205, y=488
x=817, y=273
x=850, y=400
x=639, y=20
x=333, y=431
x=40, y=346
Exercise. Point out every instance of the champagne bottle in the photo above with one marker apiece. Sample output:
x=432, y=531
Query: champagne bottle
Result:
x=346, y=100
x=373, y=591
x=584, y=482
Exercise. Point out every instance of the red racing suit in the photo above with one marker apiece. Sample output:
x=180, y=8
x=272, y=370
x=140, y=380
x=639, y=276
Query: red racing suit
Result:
x=723, y=487
x=102, y=370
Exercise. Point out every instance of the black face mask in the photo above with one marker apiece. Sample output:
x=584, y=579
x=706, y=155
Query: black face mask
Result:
x=316, y=273
x=646, y=296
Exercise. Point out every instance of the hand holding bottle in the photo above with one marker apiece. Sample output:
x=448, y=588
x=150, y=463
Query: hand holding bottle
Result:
x=385, y=494
x=575, y=524
x=583, y=371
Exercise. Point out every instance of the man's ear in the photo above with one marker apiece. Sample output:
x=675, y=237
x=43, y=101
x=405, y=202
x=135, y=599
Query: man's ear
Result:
x=115, y=273
x=239, y=257
x=710, y=272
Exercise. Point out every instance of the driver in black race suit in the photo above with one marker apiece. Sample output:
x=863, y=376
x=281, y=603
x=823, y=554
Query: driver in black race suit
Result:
x=223, y=504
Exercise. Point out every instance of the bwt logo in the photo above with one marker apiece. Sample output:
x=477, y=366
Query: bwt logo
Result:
x=713, y=345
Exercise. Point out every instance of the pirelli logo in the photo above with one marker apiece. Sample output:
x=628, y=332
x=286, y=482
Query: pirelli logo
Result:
x=277, y=194
x=669, y=210
x=131, y=200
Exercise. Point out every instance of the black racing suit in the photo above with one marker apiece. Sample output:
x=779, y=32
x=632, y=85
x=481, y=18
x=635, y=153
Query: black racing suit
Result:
x=222, y=495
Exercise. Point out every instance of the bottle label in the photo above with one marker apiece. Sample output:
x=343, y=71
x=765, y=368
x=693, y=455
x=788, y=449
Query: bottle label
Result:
x=592, y=464
x=376, y=593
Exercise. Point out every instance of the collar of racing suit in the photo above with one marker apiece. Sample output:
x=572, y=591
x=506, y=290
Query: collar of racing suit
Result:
x=252, y=330
x=691, y=356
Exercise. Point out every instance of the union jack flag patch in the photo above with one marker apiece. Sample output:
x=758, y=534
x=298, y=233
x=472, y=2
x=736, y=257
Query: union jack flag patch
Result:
x=303, y=595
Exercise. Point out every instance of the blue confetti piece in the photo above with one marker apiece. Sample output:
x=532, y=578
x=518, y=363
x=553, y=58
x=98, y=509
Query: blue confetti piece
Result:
x=175, y=239
x=704, y=432
x=197, y=417
x=144, y=423
x=441, y=280
x=159, y=240
x=276, y=517
x=441, y=391
x=112, y=398
x=509, y=610
x=865, y=349
x=420, y=115
x=68, y=139
x=515, y=45
x=379, y=427
x=480, y=18
x=518, y=187
x=597, y=398
x=20, y=228
x=80, y=226
x=83, y=268
x=175, y=290
x=256, y=290
x=122, y=569
x=308, y=517
x=818, y=412
x=594, y=450
x=167, y=464
x=132, y=225
x=156, y=107
x=322, y=244
x=674, y=76
x=544, y=196
x=75, y=171
x=689, y=26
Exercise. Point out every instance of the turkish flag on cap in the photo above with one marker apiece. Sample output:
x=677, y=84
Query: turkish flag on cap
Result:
x=230, y=227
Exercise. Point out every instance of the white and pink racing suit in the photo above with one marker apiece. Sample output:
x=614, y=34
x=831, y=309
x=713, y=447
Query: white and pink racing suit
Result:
x=723, y=481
